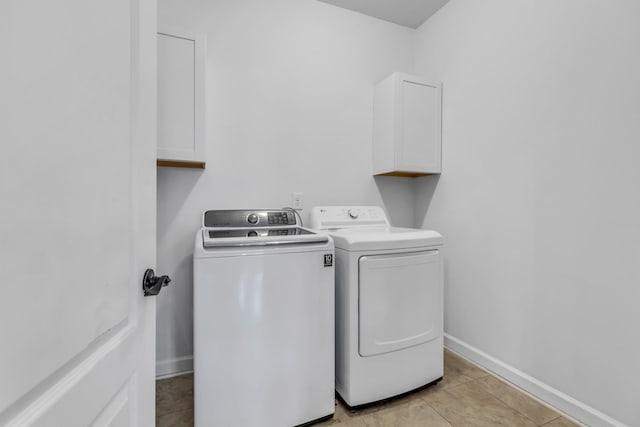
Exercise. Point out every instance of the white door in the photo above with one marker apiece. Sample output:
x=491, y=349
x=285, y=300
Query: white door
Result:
x=400, y=301
x=77, y=217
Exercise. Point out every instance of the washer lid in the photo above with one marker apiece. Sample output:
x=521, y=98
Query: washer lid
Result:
x=258, y=236
x=375, y=238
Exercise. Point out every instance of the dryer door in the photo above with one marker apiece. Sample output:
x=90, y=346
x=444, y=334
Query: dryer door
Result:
x=400, y=301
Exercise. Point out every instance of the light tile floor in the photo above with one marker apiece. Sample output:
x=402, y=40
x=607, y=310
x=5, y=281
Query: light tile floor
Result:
x=467, y=396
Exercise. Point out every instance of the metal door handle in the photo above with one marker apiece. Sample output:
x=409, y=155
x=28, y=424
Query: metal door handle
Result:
x=152, y=284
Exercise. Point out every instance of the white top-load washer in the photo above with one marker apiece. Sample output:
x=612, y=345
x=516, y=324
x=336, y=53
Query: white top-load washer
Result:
x=263, y=321
x=389, y=308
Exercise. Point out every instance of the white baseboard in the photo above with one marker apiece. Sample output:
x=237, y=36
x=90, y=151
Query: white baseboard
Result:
x=171, y=367
x=563, y=402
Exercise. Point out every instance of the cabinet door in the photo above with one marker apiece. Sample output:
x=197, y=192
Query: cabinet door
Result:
x=180, y=97
x=418, y=124
x=400, y=301
x=407, y=128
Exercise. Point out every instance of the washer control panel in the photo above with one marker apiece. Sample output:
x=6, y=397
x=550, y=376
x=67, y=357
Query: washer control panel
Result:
x=281, y=218
x=249, y=218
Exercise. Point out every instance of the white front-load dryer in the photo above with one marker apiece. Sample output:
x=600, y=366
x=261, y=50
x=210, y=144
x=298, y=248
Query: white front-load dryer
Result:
x=389, y=308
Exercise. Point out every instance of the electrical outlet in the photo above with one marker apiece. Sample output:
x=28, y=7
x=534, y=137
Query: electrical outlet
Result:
x=296, y=201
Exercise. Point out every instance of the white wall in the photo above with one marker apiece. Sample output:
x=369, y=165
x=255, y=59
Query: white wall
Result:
x=289, y=108
x=539, y=198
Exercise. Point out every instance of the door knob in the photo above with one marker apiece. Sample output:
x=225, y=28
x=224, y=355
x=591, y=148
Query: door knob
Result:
x=152, y=284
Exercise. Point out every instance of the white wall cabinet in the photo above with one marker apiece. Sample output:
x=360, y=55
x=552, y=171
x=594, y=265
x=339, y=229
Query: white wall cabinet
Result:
x=181, y=99
x=407, y=126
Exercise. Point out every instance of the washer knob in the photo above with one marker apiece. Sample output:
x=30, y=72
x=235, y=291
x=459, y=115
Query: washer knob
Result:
x=252, y=218
x=352, y=214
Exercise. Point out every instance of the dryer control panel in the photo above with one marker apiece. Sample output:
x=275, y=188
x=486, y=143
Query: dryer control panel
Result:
x=329, y=217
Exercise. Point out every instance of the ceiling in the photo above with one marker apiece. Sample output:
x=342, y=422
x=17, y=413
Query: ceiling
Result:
x=410, y=13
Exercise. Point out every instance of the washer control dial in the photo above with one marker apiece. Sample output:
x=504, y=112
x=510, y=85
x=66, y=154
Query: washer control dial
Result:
x=252, y=218
x=353, y=214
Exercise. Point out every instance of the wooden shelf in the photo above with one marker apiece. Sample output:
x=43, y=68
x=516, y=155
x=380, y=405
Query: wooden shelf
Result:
x=180, y=164
x=405, y=174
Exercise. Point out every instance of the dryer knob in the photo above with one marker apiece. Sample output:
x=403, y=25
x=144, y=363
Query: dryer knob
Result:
x=252, y=218
x=353, y=214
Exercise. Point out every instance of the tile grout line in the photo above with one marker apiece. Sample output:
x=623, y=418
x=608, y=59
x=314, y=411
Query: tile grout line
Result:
x=444, y=390
x=517, y=389
x=516, y=409
x=522, y=413
x=550, y=421
x=491, y=395
x=534, y=398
